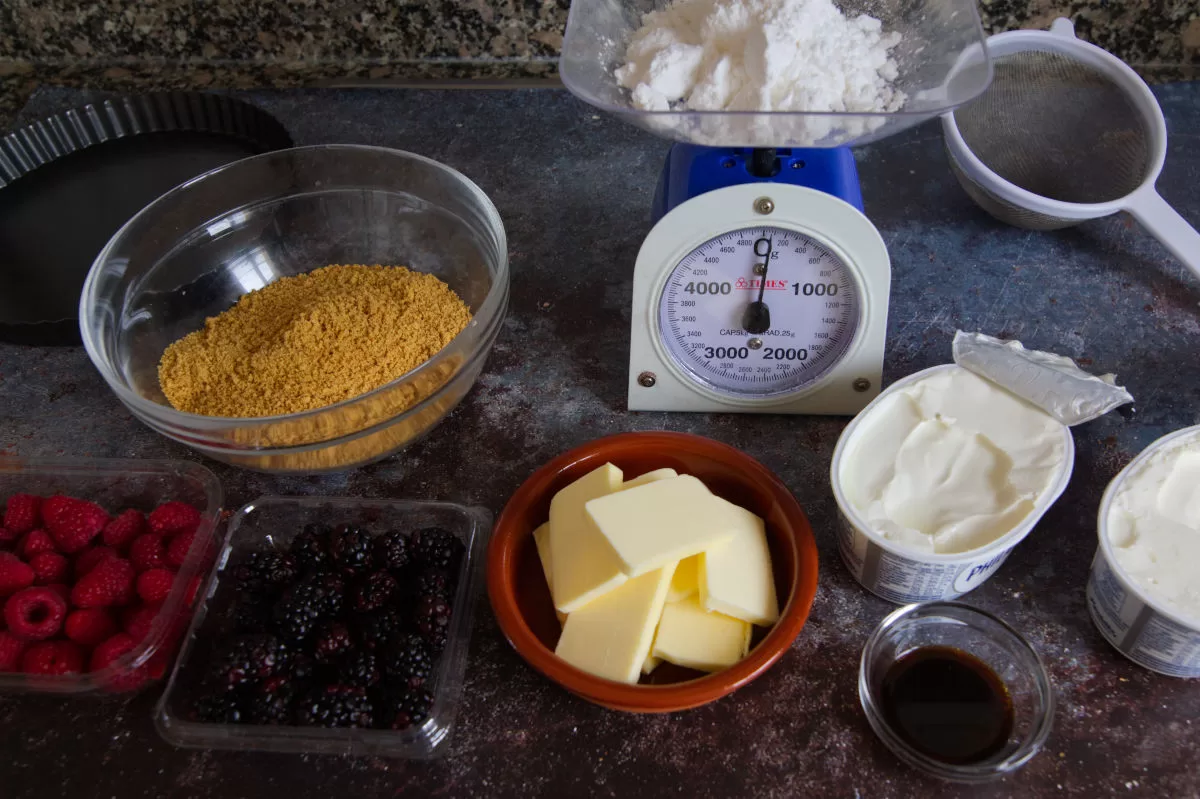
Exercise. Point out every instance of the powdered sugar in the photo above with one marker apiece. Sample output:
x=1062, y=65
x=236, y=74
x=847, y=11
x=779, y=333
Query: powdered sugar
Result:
x=760, y=55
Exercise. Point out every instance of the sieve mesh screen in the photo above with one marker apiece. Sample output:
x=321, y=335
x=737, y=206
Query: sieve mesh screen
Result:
x=1058, y=128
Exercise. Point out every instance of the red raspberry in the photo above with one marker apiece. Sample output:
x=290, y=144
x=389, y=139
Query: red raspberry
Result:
x=62, y=589
x=120, y=532
x=14, y=575
x=73, y=522
x=35, y=613
x=109, y=583
x=148, y=552
x=173, y=518
x=154, y=585
x=36, y=542
x=22, y=513
x=49, y=567
x=53, y=657
x=11, y=648
x=177, y=551
x=139, y=620
x=110, y=650
x=89, y=627
x=86, y=560
x=8, y=536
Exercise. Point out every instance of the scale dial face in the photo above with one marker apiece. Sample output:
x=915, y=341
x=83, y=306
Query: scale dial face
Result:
x=812, y=296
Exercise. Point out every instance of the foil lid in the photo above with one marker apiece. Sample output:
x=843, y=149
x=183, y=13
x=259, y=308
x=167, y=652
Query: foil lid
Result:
x=1051, y=382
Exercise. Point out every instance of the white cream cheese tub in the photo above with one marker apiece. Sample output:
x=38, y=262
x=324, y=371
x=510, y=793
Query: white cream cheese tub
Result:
x=1143, y=593
x=939, y=478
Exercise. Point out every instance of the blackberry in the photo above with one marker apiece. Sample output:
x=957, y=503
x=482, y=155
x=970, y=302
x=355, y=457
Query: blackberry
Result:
x=436, y=638
x=335, y=706
x=391, y=551
x=408, y=661
x=301, y=671
x=437, y=548
x=265, y=573
x=271, y=704
x=376, y=629
x=435, y=582
x=218, y=708
x=303, y=605
x=248, y=659
x=360, y=669
x=374, y=591
x=330, y=641
x=399, y=710
x=431, y=615
x=252, y=614
x=350, y=548
x=310, y=550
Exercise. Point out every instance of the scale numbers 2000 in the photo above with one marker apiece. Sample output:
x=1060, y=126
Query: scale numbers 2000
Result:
x=812, y=298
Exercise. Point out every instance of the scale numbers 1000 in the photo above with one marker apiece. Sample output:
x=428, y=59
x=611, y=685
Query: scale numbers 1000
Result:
x=811, y=295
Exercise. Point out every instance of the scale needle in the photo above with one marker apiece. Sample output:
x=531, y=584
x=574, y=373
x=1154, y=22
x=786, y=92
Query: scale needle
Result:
x=757, y=318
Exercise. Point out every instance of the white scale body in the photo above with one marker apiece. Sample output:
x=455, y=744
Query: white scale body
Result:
x=827, y=289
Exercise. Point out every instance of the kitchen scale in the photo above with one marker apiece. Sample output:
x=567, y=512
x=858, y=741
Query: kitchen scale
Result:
x=762, y=286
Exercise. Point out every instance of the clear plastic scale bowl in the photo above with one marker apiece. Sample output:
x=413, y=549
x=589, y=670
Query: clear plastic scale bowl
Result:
x=942, y=59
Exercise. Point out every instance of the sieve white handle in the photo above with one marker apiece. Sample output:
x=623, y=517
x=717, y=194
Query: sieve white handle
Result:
x=1165, y=224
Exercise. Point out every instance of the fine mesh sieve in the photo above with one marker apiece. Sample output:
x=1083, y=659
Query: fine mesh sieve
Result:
x=1066, y=132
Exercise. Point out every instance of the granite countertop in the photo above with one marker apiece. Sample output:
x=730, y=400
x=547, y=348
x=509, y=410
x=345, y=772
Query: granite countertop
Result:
x=134, y=45
x=574, y=188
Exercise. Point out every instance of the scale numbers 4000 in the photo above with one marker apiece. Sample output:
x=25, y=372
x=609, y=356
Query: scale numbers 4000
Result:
x=812, y=297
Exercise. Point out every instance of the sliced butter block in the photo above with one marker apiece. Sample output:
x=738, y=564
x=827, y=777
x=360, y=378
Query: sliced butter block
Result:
x=611, y=636
x=683, y=584
x=541, y=537
x=649, y=477
x=692, y=637
x=735, y=577
x=583, y=564
x=659, y=523
x=650, y=664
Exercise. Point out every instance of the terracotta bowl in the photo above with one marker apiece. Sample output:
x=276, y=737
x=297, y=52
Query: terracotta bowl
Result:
x=521, y=600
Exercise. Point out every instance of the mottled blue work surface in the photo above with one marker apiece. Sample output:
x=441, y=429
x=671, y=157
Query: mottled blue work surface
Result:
x=574, y=188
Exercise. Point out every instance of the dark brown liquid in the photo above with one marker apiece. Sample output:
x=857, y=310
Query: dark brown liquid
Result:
x=947, y=704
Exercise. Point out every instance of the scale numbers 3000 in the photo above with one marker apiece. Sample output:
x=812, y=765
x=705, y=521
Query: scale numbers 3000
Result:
x=812, y=299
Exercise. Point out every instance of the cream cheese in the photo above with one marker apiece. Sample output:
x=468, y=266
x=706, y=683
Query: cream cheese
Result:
x=951, y=462
x=1154, y=524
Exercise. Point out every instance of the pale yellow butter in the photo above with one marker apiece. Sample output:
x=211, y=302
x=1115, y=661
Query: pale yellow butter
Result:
x=650, y=477
x=684, y=584
x=735, y=577
x=611, y=636
x=692, y=637
x=658, y=523
x=651, y=663
x=541, y=537
x=583, y=564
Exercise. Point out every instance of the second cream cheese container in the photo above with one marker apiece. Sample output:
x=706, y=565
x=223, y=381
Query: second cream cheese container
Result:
x=1142, y=594
x=929, y=505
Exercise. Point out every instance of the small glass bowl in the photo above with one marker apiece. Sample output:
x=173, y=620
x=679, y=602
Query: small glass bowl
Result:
x=1000, y=647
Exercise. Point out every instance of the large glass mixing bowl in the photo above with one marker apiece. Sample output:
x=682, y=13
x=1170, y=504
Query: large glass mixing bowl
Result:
x=942, y=61
x=193, y=252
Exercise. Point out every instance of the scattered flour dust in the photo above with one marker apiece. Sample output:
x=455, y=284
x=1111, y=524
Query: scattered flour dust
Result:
x=760, y=55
